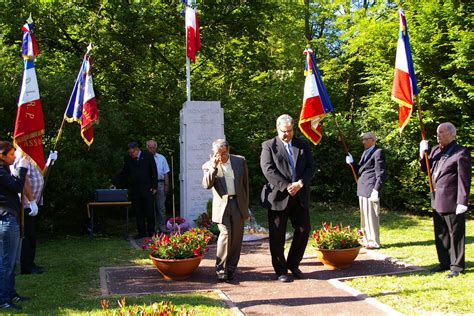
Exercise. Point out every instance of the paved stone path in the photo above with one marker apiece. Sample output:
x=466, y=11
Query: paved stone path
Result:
x=255, y=290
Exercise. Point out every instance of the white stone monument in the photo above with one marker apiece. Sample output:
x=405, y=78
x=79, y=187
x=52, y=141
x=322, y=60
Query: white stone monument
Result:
x=201, y=122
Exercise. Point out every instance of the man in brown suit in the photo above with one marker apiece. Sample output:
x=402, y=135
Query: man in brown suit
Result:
x=450, y=166
x=227, y=176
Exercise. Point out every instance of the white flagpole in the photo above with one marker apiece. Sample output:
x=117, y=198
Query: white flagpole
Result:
x=188, y=78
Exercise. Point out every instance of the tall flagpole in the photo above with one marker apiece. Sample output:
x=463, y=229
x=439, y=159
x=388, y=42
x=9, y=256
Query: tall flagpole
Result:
x=188, y=75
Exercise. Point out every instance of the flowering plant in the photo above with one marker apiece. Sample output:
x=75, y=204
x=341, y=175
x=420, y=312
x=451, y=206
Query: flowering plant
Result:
x=179, y=245
x=336, y=237
x=204, y=221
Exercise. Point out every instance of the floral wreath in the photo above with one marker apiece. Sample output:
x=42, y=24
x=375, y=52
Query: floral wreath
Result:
x=177, y=224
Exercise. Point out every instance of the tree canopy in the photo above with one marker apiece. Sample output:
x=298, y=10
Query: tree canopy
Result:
x=252, y=61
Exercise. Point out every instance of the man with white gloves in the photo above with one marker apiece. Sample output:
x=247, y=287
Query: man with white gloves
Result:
x=371, y=172
x=32, y=197
x=450, y=166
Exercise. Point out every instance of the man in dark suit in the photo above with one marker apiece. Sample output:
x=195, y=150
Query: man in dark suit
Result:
x=139, y=172
x=450, y=166
x=371, y=171
x=287, y=164
x=227, y=175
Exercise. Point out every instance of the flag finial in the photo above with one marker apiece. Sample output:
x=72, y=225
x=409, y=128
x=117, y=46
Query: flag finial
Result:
x=30, y=19
x=89, y=48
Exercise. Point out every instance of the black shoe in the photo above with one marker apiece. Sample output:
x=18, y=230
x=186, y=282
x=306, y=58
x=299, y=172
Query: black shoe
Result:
x=139, y=236
x=453, y=274
x=18, y=298
x=222, y=276
x=438, y=269
x=297, y=274
x=283, y=278
x=34, y=270
x=9, y=306
x=230, y=276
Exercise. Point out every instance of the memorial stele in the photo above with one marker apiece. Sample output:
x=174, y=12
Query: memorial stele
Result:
x=201, y=122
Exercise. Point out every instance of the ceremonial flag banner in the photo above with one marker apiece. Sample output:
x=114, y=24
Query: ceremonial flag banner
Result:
x=82, y=106
x=29, y=125
x=404, y=83
x=316, y=103
x=193, y=41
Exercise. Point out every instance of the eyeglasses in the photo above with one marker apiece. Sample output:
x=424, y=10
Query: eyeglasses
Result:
x=366, y=138
x=7, y=150
x=287, y=131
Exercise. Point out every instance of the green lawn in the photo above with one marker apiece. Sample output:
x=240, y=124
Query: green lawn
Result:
x=70, y=284
x=410, y=239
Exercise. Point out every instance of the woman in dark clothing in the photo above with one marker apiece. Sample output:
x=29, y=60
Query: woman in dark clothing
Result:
x=10, y=187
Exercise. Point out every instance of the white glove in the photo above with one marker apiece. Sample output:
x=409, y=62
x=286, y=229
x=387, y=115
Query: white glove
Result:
x=53, y=155
x=18, y=153
x=460, y=209
x=24, y=163
x=34, y=208
x=423, y=148
x=349, y=159
x=374, y=196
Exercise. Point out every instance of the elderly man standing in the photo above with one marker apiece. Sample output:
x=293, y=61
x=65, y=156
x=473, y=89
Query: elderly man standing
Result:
x=287, y=164
x=371, y=171
x=162, y=188
x=227, y=176
x=450, y=166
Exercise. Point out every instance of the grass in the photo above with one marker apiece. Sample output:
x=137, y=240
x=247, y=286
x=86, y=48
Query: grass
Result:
x=70, y=283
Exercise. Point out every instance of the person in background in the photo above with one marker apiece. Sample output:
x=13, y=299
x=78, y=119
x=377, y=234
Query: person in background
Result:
x=162, y=187
x=10, y=187
x=227, y=176
x=139, y=172
x=450, y=166
x=32, y=199
x=371, y=172
x=287, y=164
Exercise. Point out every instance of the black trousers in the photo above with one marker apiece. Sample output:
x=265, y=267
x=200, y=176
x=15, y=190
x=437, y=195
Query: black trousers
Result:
x=277, y=222
x=450, y=238
x=145, y=215
x=28, y=244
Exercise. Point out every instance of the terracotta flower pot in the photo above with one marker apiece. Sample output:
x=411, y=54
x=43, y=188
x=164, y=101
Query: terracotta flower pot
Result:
x=176, y=269
x=337, y=258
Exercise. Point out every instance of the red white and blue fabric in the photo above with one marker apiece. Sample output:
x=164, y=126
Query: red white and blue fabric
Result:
x=29, y=47
x=29, y=124
x=316, y=103
x=193, y=41
x=404, y=87
x=82, y=106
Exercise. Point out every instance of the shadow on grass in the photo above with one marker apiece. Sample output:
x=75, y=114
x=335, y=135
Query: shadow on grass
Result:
x=469, y=240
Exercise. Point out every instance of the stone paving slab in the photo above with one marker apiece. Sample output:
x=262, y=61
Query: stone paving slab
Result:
x=255, y=290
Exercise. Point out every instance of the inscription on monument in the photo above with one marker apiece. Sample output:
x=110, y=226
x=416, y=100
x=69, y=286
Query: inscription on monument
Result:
x=201, y=122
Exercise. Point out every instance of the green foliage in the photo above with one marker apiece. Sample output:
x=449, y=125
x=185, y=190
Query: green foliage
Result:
x=251, y=60
x=157, y=308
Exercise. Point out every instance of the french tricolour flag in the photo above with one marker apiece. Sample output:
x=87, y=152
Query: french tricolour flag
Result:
x=316, y=103
x=29, y=124
x=404, y=87
x=193, y=41
x=82, y=106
